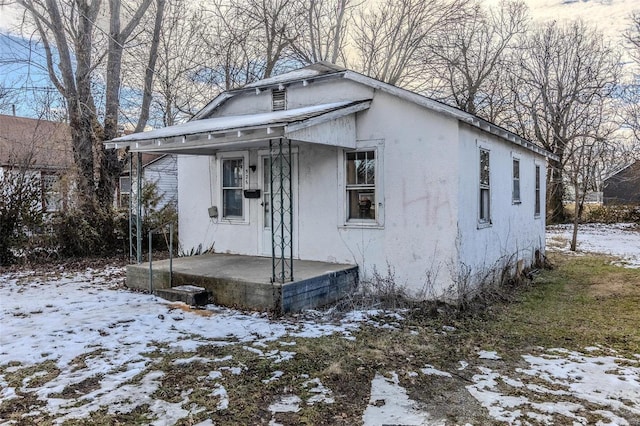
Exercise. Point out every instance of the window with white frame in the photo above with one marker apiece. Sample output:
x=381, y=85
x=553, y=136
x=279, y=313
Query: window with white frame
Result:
x=515, y=195
x=485, y=188
x=537, y=193
x=232, y=187
x=361, y=185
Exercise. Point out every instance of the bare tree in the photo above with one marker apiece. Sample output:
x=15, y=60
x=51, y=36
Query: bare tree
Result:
x=6, y=98
x=470, y=57
x=78, y=37
x=390, y=38
x=631, y=114
x=564, y=75
x=182, y=54
x=323, y=35
x=254, y=36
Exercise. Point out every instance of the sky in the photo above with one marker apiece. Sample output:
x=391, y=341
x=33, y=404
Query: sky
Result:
x=610, y=16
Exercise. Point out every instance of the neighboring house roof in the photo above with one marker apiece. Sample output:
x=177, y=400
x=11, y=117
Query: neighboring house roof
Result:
x=44, y=144
x=202, y=123
x=621, y=170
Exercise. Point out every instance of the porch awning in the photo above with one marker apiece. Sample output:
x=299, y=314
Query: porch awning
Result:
x=328, y=124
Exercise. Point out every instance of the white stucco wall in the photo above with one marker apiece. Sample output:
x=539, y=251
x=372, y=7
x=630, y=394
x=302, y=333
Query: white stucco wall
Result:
x=417, y=152
x=515, y=232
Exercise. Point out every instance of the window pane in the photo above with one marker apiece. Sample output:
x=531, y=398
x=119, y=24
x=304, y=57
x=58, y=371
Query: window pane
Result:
x=351, y=168
x=484, y=205
x=537, y=195
x=516, y=180
x=484, y=167
x=232, y=173
x=232, y=202
x=362, y=204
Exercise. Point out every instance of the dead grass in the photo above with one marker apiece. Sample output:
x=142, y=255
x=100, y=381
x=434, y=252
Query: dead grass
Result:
x=583, y=302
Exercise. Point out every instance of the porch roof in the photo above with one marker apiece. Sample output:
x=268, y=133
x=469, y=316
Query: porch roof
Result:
x=205, y=136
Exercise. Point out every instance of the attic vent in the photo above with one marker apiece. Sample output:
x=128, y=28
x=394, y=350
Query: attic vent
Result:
x=278, y=100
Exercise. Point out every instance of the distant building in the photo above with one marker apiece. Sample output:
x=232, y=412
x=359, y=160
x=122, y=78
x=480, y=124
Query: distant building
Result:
x=43, y=149
x=158, y=169
x=623, y=187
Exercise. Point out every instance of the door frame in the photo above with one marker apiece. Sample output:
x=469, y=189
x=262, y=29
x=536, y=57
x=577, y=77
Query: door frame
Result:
x=264, y=239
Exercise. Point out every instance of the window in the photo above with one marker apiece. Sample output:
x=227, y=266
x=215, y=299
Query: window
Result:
x=51, y=197
x=278, y=100
x=361, y=185
x=516, y=181
x=537, y=203
x=125, y=191
x=485, y=188
x=232, y=177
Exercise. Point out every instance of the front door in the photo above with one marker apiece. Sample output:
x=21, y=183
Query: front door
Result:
x=265, y=203
x=265, y=223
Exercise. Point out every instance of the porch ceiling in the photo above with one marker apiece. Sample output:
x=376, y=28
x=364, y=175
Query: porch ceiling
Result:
x=206, y=136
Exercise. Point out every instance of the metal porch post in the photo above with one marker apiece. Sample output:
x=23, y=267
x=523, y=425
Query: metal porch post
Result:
x=281, y=199
x=135, y=227
x=139, y=208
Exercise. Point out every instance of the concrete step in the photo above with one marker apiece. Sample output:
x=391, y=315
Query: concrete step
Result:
x=189, y=294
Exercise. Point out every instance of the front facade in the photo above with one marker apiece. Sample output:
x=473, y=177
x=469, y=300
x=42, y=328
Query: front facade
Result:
x=375, y=176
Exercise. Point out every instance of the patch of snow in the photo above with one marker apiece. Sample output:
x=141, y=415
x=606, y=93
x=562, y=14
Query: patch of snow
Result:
x=275, y=376
x=323, y=394
x=390, y=404
x=429, y=370
x=221, y=393
x=286, y=404
x=492, y=355
x=575, y=381
x=463, y=365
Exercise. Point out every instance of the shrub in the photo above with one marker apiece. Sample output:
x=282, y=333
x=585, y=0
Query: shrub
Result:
x=86, y=232
x=614, y=214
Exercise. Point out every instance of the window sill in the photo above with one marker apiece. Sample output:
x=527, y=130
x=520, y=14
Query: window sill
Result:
x=537, y=216
x=516, y=202
x=233, y=222
x=483, y=225
x=365, y=225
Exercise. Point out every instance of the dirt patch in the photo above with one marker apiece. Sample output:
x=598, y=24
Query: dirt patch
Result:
x=616, y=285
x=84, y=387
x=186, y=308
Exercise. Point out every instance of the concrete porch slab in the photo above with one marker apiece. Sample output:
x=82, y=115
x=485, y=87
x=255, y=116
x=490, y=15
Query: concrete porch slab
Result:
x=244, y=281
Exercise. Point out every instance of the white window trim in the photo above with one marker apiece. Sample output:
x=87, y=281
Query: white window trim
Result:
x=245, y=184
x=536, y=165
x=481, y=224
x=376, y=145
x=514, y=200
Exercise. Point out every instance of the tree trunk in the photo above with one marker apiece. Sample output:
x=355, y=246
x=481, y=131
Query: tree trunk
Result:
x=555, y=193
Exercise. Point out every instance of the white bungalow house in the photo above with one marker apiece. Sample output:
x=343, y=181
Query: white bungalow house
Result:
x=379, y=176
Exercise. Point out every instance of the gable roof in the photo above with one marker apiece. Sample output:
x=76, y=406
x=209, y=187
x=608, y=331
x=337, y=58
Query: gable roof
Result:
x=325, y=70
x=44, y=144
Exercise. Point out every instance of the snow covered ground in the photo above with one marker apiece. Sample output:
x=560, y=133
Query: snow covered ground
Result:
x=100, y=337
x=621, y=240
